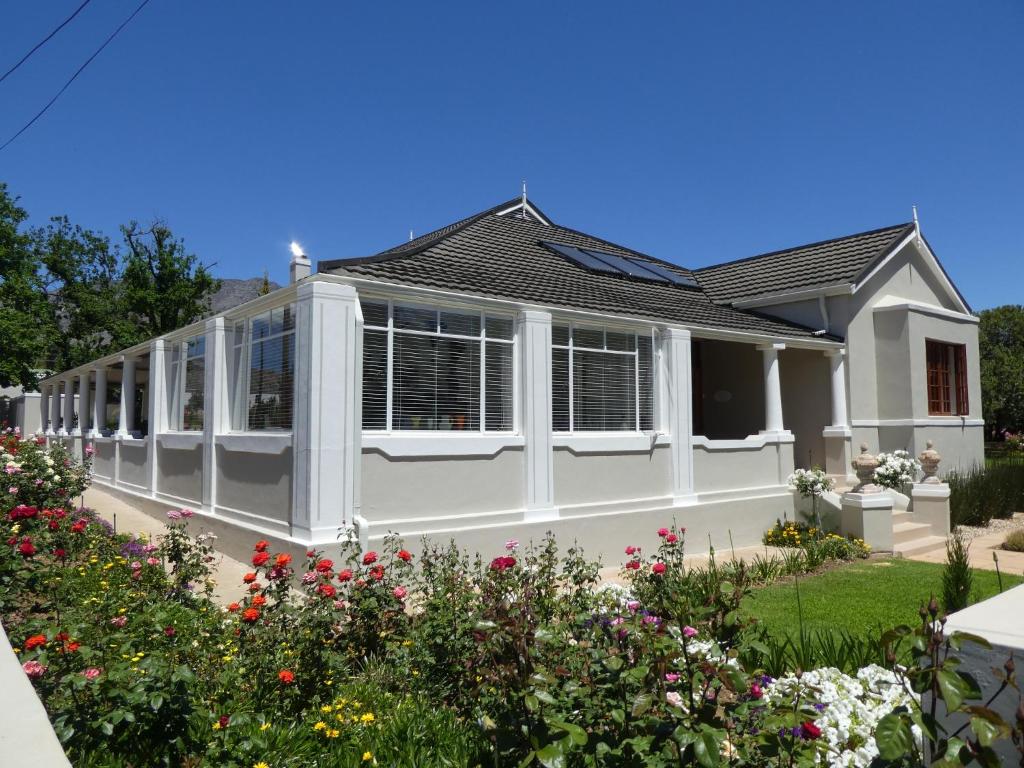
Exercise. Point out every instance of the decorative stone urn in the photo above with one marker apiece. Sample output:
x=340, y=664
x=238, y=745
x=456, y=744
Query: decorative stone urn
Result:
x=864, y=466
x=930, y=459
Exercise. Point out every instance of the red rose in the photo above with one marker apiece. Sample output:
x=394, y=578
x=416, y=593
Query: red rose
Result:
x=633, y=565
x=810, y=731
x=377, y=572
x=658, y=568
x=502, y=563
x=249, y=615
x=72, y=646
x=224, y=720
x=255, y=587
x=325, y=565
x=249, y=578
x=261, y=546
x=233, y=608
x=78, y=526
x=170, y=631
x=631, y=550
x=671, y=538
x=327, y=590
x=27, y=548
x=345, y=575
x=286, y=676
x=310, y=553
x=405, y=555
x=663, y=532
x=369, y=557
x=35, y=641
x=260, y=558
x=259, y=601
x=282, y=560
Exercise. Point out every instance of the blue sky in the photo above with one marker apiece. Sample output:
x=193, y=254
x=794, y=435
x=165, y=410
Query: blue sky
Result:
x=695, y=132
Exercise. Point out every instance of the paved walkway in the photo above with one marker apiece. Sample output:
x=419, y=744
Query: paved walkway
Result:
x=981, y=551
x=227, y=573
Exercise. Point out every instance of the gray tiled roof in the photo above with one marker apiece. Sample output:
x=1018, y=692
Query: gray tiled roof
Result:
x=501, y=257
x=827, y=263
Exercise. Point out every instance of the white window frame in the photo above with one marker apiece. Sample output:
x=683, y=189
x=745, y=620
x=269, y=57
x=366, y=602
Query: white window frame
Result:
x=239, y=397
x=572, y=325
x=437, y=309
x=181, y=376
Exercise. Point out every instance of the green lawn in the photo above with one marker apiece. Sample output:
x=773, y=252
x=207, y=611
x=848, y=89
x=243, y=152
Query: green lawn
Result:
x=860, y=597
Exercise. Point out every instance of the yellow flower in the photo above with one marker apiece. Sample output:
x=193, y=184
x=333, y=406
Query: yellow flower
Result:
x=260, y=764
x=333, y=733
x=325, y=708
x=216, y=726
x=367, y=756
x=264, y=726
x=320, y=725
x=367, y=718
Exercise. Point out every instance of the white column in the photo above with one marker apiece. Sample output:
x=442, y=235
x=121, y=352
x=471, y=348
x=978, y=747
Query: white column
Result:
x=66, y=427
x=216, y=407
x=55, y=409
x=677, y=410
x=44, y=408
x=772, y=389
x=157, y=406
x=327, y=429
x=83, y=404
x=535, y=341
x=99, y=410
x=127, y=417
x=837, y=361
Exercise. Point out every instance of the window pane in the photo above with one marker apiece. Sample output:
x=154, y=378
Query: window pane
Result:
x=560, y=335
x=271, y=373
x=414, y=319
x=645, y=361
x=588, y=337
x=261, y=326
x=192, y=408
x=458, y=384
x=624, y=342
x=498, y=383
x=436, y=383
x=459, y=324
x=375, y=313
x=375, y=379
x=499, y=328
x=560, y=390
x=415, y=365
x=603, y=391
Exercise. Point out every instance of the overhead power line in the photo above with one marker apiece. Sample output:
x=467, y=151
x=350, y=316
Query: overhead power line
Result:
x=79, y=71
x=44, y=41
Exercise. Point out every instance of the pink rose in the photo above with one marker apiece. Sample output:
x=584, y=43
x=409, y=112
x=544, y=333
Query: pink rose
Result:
x=34, y=669
x=91, y=673
x=671, y=677
x=689, y=632
x=399, y=593
x=136, y=565
x=658, y=568
x=173, y=515
x=663, y=532
x=119, y=621
x=511, y=544
x=187, y=513
x=152, y=561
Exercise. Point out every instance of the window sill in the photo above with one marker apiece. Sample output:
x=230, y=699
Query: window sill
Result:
x=255, y=442
x=439, y=444
x=749, y=443
x=610, y=442
x=180, y=441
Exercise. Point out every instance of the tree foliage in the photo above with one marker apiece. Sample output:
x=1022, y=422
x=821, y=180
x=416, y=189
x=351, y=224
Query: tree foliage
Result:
x=1001, y=342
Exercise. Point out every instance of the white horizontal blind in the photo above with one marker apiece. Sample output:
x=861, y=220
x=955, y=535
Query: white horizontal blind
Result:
x=602, y=380
x=429, y=369
x=271, y=369
x=237, y=368
x=175, y=366
x=195, y=382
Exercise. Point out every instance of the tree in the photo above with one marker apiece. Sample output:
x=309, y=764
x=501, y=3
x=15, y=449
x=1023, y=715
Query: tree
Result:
x=264, y=288
x=1001, y=343
x=162, y=285
x=25, y=318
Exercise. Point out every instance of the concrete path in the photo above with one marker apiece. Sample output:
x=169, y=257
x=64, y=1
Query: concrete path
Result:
x=981, y=550
x=227, y=573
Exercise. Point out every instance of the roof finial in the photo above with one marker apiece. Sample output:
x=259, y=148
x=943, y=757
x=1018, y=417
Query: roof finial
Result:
x=524, y=198
x=410, y=235
x=914, y=209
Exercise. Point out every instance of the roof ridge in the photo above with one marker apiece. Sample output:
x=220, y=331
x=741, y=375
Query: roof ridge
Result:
x=815, y=244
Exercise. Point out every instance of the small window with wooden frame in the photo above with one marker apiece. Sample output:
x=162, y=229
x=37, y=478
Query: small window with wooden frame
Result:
x=947, y=378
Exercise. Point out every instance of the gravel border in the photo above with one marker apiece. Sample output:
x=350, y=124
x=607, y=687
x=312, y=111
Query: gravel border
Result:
x=972, y=532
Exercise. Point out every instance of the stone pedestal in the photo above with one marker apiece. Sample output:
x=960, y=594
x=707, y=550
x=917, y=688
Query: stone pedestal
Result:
x=931, y=505
x=868, y=516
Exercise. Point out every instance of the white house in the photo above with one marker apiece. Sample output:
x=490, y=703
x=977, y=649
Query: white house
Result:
x=505, y=375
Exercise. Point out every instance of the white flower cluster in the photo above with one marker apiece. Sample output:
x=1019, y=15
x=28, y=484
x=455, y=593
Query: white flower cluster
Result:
x=810, y=482
x=896, y=469
x=850, y=709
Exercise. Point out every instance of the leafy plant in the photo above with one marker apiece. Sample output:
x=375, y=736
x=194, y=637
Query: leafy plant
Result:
x=1014, y=541
x=957, y=576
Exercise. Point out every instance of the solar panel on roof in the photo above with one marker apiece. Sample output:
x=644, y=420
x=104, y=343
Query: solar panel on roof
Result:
x=672, y=277
x=626, y=266
x=581, y=257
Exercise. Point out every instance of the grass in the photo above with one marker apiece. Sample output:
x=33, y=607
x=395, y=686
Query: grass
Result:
x=860, y=597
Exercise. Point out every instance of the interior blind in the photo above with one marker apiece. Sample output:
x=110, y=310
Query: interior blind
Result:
x=271, y=369
x=195, y=382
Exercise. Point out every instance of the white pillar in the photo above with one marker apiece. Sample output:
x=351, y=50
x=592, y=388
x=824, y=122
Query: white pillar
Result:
x=677, y=410
x=157, y=406
x=83, y=404
x=772, y=390
x=216, y=407
x=327, y=420
x=535, y=342
x=126, y=421
x=55, y=409
x=66, y=427
x=99, y=410
x=44, y=408
x=838, y=436
x=837, y=361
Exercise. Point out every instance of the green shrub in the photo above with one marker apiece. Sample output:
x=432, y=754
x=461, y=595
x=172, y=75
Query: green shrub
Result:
x=1014, y=541
x=985, y=492
x=957, y=578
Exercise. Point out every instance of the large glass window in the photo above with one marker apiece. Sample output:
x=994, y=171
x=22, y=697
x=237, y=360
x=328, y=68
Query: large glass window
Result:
x=194, y=384
x=602, y=380
x=436, y=369
x=947, y=379
x=269, y=361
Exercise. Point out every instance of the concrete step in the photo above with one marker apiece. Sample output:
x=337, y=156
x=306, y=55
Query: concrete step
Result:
x=902, y=516
x=920, y=546
x=903, y=533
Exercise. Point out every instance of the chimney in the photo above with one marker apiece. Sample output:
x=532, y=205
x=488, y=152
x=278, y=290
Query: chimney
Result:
x=300, y=265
